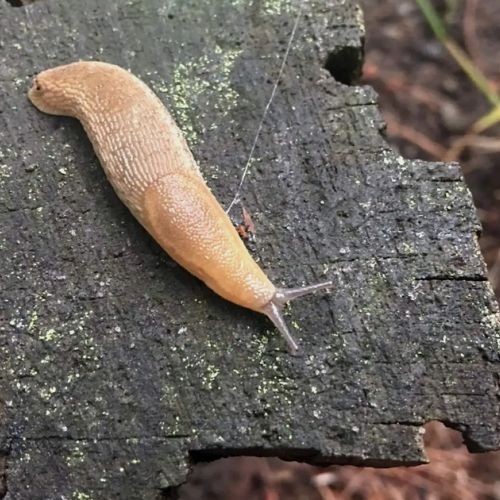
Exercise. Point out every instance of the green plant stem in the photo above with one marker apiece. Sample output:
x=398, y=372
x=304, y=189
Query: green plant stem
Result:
x=471, y=70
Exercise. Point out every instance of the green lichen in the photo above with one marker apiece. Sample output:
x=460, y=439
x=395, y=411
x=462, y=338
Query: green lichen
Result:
x=32, y=321
x=46, y=393
x=406, y=248
x=491, y=321
x=268, y=7
x=202, y=83
x=48, y=336
x=80, y=495
x=75, y=457
x=212, y=372
x=375, y=293
x=276, y=7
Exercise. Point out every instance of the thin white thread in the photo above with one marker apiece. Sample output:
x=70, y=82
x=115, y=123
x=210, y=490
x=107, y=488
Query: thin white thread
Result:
x=236, y=198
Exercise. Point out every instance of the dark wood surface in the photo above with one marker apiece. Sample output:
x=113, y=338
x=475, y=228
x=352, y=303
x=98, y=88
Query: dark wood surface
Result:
x=119, y=369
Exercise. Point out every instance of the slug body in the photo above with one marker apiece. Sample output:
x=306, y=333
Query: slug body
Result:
x=149, y=164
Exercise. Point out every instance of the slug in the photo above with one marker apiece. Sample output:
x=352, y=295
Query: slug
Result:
x=149, y=164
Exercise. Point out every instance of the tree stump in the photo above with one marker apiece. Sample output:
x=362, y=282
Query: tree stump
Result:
x=119, y=369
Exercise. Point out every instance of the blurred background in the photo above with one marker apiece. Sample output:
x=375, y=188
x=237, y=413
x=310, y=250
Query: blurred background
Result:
x=436, y=67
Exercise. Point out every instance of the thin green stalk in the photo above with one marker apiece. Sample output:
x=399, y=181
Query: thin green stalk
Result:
x=487, y=121
x=471, y=70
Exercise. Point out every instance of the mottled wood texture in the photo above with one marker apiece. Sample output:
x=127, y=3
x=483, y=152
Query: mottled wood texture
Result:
x=119, y=368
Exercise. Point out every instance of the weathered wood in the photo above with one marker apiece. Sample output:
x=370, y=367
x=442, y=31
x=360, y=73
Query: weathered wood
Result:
x=119, y=368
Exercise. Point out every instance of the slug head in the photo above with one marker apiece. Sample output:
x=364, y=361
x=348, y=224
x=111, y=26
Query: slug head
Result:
x=56, y=91
x=69, y=90
x=85, y=88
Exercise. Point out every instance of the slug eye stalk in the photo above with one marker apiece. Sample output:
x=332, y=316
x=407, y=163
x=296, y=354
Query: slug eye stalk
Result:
x=273, y=309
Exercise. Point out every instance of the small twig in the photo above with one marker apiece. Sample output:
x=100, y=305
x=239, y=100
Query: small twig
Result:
x=471, y=136
x=457, y=147
x=488, y=120
x=417, y=138
x=484, y=143
x=397, y=83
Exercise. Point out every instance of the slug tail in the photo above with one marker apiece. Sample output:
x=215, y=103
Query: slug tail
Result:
x=275, y=306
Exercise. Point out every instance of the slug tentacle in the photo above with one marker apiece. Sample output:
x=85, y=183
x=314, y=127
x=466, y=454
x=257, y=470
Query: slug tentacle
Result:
x=283, y=295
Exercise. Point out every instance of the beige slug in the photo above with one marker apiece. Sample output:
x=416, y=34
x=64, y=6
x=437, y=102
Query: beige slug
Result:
x=152, y=170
